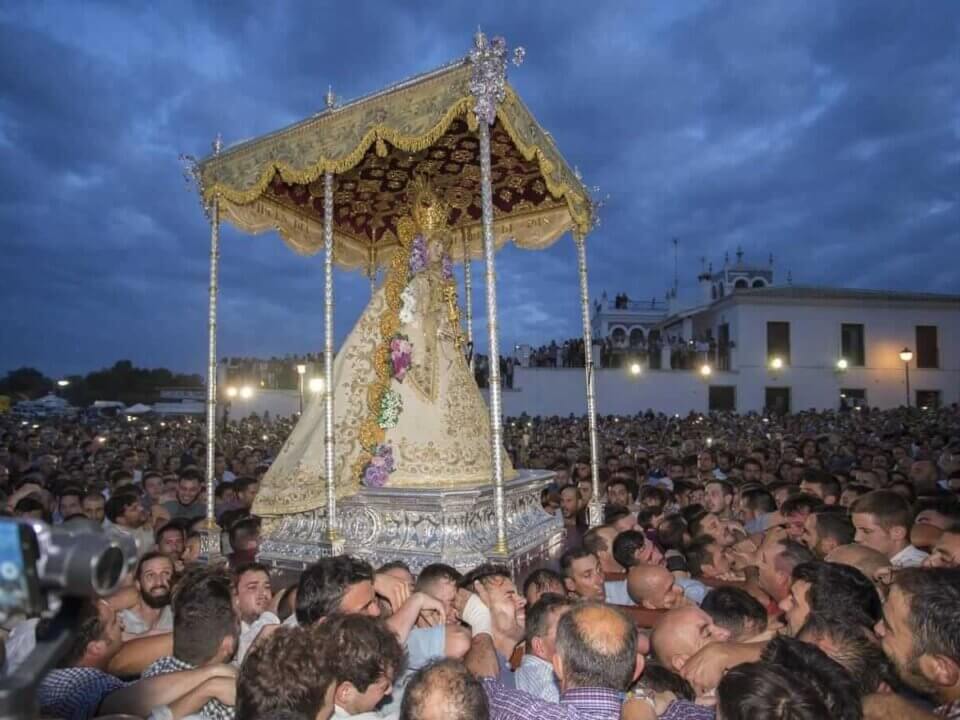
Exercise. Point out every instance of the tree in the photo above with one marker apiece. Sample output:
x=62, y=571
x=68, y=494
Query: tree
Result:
x=25, y=383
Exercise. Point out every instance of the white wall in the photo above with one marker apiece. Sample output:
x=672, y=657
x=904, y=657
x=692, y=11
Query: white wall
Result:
x=279, y=403
x=811, y=373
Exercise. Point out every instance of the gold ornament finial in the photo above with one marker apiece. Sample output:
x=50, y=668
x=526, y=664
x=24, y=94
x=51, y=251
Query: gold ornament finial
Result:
x=429, y=210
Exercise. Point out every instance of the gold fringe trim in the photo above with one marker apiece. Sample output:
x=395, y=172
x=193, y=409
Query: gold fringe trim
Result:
x=572, y=192
x=408, y=143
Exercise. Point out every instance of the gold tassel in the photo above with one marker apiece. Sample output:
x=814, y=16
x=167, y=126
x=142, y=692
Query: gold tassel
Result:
x=381, y=148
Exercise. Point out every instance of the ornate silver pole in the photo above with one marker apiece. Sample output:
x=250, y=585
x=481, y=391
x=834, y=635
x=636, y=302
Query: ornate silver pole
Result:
x=333, y=535
x=487, y=85
x=468, y=293
x=595, y=508
x=212, y=357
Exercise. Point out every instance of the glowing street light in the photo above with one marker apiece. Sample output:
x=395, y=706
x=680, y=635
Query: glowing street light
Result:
x=776, y=363
x=842, y=364
x=63, y=383
x=316, y=385
x=301, y=371
x=706, y=370
x=635, y=368
x=246, y=392
x=907, y=355
x=231, y=392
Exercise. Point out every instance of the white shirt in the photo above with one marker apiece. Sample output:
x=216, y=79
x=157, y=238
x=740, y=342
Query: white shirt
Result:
x=616, y=594
x=535, y=676
x=909, y=557
x=249, y=632
x=133, y=624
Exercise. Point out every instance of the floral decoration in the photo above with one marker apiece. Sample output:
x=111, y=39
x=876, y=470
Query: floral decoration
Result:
x=446, y=265
x=391, y=405
x=381, y=464
x=409, y=306
x=418, y=255
x=401, y=356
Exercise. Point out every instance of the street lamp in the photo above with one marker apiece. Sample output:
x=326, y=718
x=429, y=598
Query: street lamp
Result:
x=63, y=383
x=635, y=368
x=231, y=392
x=907, y=355
x=706, y=370
x=246, y=392
x=316, y=385
x=301, y=371
x=842, y=364
x=776, y=363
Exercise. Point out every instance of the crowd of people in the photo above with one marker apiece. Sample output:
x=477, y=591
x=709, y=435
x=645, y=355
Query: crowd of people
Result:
x=795, y=568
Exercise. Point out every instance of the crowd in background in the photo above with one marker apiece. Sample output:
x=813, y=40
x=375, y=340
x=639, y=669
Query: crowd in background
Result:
x=744, y=566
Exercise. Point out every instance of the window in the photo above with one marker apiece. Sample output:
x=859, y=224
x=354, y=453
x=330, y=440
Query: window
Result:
x=928, y=355
x=777, y=400
x=851, y=345
x=723, y=398
x=928, y=399
x=778, y=341
x=852, y=398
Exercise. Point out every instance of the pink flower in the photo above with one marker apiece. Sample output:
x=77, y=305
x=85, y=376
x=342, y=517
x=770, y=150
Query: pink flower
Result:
x=401, y=356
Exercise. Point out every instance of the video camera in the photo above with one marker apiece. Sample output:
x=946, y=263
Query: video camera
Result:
x=49, y=572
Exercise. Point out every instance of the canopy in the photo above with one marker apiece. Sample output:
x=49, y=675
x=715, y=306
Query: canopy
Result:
x=375, y=146
x=138, y=409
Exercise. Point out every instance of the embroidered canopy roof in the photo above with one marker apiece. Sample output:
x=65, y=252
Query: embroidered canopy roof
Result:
x=375, y=146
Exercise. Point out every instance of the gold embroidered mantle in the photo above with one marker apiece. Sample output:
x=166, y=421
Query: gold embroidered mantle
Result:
x=442, y=438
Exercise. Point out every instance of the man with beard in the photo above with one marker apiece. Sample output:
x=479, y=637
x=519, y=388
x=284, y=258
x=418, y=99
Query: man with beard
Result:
x=920, y=633
x=152, y=613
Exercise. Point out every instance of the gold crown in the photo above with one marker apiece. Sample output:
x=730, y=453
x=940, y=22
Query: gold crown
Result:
x=429, y=210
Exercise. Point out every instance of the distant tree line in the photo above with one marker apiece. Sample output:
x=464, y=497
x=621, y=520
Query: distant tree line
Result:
x=122, y=382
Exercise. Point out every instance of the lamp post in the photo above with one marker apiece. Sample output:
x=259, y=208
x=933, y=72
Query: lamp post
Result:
x=301, y=371
x=907, y=355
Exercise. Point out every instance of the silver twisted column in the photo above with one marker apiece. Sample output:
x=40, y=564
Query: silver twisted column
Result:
x=595, y=509
x=496, y=421
x=468, y=293
x=333, y=535
x=212, y=353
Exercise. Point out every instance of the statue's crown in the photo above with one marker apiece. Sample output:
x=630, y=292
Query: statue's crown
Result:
x=429, y=210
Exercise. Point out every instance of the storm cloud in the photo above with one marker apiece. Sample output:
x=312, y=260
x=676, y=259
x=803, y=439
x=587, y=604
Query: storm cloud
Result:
x=824, y=133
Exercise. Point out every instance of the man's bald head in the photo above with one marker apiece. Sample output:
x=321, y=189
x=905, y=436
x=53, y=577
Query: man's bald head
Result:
x=863, y=558
x=653, y=587
x=444, y=690
x=681, y=633
x=596, y=647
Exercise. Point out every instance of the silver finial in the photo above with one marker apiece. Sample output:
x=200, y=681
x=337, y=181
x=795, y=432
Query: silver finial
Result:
x=488, y=81
x=217, y=144
x=330, y=99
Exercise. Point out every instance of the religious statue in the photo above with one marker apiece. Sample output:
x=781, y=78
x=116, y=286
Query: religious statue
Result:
x=408, y=412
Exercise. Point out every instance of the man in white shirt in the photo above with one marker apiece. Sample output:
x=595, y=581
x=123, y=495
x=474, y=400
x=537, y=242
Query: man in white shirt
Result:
x=152, y=613
x=252, y=594
x=535, y=674
x=882, y=519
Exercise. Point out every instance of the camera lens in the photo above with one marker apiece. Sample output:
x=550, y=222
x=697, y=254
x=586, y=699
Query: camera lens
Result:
x=108, y=570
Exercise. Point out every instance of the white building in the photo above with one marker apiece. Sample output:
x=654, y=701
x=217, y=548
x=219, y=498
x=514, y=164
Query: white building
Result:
x=752, y=345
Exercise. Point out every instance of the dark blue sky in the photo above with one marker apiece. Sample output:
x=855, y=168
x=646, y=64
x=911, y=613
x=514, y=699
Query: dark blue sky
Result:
x=826, y=133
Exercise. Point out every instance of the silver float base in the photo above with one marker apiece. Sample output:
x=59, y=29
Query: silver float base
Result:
x=425, y=525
